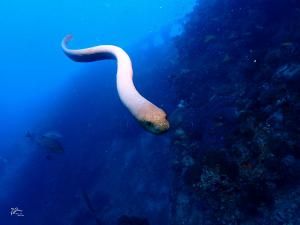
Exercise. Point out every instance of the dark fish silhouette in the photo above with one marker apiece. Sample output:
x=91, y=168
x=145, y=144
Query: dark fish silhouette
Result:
x=50, y=141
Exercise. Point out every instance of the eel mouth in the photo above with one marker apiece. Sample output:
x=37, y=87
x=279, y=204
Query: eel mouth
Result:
x=155, y=122
x=156, y=128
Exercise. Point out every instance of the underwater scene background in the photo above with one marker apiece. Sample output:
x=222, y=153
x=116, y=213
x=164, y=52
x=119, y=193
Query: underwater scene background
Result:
x=227, y=73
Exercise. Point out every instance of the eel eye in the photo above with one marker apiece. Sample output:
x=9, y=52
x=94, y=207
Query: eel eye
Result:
x=148, y=124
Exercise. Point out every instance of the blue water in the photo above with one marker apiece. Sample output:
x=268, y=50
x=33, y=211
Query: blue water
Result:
x=227, y=73
x=106, y=152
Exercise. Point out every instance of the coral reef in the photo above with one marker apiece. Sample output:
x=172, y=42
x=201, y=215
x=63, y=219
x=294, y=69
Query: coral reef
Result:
x=236, y=158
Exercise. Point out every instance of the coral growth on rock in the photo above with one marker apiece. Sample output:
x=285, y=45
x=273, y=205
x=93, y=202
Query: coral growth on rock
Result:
x=236, y=138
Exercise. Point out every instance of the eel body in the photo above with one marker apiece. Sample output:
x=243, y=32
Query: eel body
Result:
x=151, y=117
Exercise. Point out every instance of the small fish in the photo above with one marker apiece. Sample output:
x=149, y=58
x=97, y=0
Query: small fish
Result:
x=50, y=141
x=50, y=144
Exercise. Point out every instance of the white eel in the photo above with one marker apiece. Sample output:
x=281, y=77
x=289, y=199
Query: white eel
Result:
x=151, y=117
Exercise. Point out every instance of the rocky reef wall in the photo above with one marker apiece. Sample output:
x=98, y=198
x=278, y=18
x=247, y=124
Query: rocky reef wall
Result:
x=236, y=135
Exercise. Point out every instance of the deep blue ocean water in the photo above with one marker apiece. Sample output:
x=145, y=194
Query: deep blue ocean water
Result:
x=41, y=90
x=226, y=72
